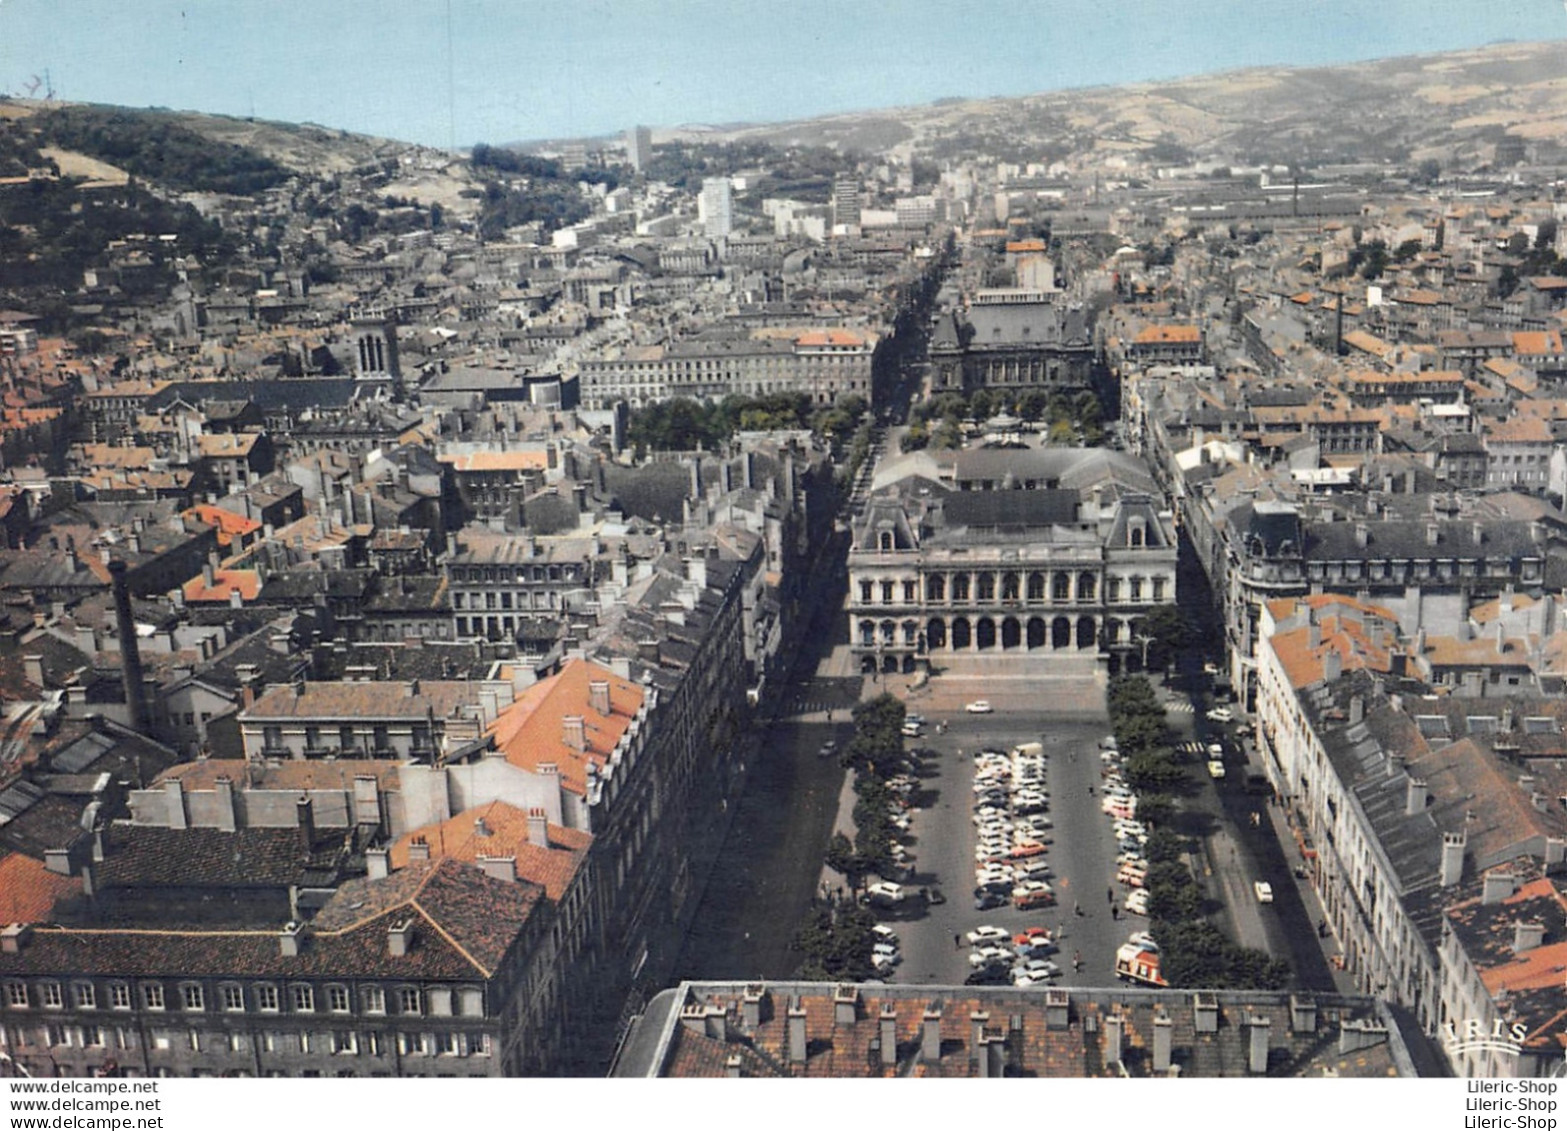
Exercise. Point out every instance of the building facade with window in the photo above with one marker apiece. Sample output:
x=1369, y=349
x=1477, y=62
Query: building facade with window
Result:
x=1053, y=574
x=426, y=972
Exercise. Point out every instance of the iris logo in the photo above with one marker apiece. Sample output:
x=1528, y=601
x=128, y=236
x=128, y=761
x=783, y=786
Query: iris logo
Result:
x=1476, y=1036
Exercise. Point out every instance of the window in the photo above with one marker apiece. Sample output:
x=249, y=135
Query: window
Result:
x=337, y=999
x=266, y=998
x=445, y=1043
x=304, y=1041
x=1136, y=588
x=194, y=1037
x=372, y=1042
x=16, y=994
x=92, y=1036
x=343, y=1042
x=375, y=999
x=1158, y=588
x=191, y=997
x=236, y=1042
x=85, y=994
x=119, y=996
x=57, y=1034
x=478, y=1044
x=303, y=998
x=233, y=999
x=413, y=1044
x=865, y=592
x=408, y=1000
x=51, y=995
x=886, y=592
x=152, y=995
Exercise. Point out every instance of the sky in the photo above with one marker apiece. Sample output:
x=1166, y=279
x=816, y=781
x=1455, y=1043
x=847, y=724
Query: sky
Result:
x=456, y=72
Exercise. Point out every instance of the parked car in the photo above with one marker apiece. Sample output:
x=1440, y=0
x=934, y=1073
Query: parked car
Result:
x=988, y=900
x=984, y=955
x=1220, y=715
x=886, y=952
x=993, y=975
x=885, y=891
x=1137, y=902
x=979, y=707
x=1215, y=768
x=987, y=933
x=1108, y=742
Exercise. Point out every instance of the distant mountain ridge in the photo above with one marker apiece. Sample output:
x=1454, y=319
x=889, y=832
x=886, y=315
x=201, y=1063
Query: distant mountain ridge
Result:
x=1453, y=106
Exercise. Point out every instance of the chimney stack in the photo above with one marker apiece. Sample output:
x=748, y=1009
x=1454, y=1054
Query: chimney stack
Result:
x=33, y=669
x=1257, y=1046
x=291, y=939
x=306, y=815
x=377, y=864
x=845, y=1005
x=598, y=695
x=1416, y=797
x=400, y=938
x=576, y=735
x=930, y=1033
x=1496, y=885
x=796, y=1026
x=1163, y=1042
x=1303, y=1014
x=1115, y=1033
x=1058, y=1010
x=538, y=828
x=888, y=1028
x=499, y=867
x=1452, y=868
x=1527, y=934
x=751, y=1008
x=1205, y=1013
x=130, y=653
x=418, y=849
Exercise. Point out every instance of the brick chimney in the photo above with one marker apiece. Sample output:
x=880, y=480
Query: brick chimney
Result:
x=306, y=817
x=130, y=653
x=1416, y=795
x=977, y=1022
x=575, y=733
x=291, y=939
x=223, y=791
x=15, y=936
x=598, y=695
x=418, y=849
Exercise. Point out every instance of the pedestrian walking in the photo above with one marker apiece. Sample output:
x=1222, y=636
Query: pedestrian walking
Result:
x=957, y=942
x=1109, y=895
x=1115, y=912
x=1077, y=960
x=1077, y=908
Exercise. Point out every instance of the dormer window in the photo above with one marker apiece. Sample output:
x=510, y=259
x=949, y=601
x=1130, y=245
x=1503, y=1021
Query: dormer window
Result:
x=886, y=540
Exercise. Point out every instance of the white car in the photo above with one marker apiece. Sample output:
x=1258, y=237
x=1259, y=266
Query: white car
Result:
x=1215, y=768
x=979, y=707
x=1221, y=715
x=1264, y=891
x=885, y=890
x=885, y=934
x=886, y=952
x=987, y=933
x=1137, y=902
x=985, y=955
x=1108, y=742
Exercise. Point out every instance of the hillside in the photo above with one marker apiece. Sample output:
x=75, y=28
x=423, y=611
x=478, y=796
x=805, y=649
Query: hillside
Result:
x=1448, y=106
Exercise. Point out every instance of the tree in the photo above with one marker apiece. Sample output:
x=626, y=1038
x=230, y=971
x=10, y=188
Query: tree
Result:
x=1169, y=631
x=842, y=858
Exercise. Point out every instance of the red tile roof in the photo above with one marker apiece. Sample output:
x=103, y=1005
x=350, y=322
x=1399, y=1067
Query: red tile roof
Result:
x=531, y=732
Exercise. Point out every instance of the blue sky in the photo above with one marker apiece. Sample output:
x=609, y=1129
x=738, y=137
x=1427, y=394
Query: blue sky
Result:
x=461, y=71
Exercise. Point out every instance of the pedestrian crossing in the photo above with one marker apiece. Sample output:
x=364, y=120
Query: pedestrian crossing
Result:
x=1192, y=748
x=1179, y=707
